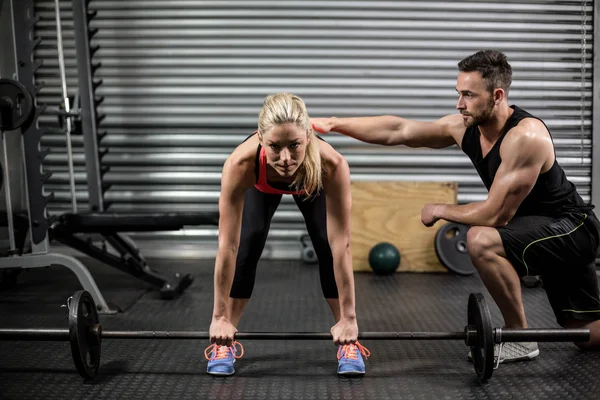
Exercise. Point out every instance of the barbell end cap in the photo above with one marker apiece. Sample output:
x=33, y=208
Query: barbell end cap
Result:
x=95, y=334
x=497, y=335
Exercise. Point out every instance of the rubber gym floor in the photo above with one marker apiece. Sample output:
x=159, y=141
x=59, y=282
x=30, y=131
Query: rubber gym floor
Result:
x=286, y=297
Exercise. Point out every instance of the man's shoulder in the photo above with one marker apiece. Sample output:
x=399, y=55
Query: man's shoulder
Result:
x=528, y=128
x=529, y=139
x=453, y=125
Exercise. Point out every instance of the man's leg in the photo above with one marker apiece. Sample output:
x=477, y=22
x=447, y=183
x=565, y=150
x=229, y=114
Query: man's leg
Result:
x=593, y=326
x=563, y=250
x=501, y=277
x=575, y=298
x=497, y=273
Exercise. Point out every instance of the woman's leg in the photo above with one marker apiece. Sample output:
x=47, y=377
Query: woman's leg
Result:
x=314, y=212
x=258, y=211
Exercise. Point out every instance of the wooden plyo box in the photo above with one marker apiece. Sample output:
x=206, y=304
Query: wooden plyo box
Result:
x=391, y=212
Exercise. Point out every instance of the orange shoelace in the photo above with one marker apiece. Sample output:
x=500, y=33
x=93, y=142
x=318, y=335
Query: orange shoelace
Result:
x=221, y=352
x=350, y=351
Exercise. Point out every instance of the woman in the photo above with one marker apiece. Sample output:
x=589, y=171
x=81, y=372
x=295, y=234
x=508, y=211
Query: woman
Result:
x=283, y=157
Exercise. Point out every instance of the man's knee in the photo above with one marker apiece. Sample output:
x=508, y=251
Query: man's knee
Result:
x=482, y=242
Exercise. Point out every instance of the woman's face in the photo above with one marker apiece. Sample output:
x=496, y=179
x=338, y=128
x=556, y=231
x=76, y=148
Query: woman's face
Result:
x=285, y=148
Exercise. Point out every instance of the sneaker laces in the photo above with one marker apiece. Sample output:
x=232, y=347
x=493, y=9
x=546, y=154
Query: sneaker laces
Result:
x=222, y=352
x=350, y=351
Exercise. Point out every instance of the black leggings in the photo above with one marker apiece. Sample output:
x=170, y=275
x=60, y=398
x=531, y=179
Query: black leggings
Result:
x=258, y=211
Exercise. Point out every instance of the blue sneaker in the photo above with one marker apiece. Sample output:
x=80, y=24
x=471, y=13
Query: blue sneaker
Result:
x=221, y=358
x=350, y=361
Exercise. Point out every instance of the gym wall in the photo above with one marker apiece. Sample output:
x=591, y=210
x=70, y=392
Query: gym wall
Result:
x=184, y=81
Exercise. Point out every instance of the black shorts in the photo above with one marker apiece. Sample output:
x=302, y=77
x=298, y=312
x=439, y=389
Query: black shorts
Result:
x=562, y=250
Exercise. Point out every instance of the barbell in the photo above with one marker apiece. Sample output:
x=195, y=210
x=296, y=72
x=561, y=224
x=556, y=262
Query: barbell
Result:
x=85, y=334
x=16, y=105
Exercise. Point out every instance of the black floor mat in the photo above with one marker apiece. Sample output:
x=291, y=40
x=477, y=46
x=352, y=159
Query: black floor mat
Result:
x=56, y=283
x=287, y=297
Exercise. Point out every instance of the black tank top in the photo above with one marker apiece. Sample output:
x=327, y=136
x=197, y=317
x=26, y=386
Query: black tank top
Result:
x=552, y=195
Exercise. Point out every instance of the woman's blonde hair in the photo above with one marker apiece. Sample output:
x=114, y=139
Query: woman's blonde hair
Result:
x=282, y=108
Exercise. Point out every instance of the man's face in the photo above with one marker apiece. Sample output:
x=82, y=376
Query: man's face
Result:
x=475, y=102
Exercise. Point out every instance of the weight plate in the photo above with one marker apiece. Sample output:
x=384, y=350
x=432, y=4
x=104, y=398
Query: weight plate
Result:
x=16, y=105
x=451, y=248
x=483, y=349
x=83, y=315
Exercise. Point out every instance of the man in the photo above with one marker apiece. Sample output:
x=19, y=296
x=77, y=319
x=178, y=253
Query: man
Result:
x=533, y=221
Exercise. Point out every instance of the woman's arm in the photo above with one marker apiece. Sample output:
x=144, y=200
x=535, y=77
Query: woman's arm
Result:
x=339, y=205
x=231, y=203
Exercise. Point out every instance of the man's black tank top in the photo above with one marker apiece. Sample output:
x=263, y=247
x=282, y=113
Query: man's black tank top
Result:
x=552, y=195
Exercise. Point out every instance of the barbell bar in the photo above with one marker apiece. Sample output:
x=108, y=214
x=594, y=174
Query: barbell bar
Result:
x=63, y=335
x=86, y=334
x=500, y=335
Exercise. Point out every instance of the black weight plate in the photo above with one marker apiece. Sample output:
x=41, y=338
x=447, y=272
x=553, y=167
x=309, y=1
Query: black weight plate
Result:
x=483, y=350
x=20, y=102
x=86, y=352
x=451, y=248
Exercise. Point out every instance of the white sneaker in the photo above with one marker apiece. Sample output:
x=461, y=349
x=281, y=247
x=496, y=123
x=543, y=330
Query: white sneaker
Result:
x=514, y=351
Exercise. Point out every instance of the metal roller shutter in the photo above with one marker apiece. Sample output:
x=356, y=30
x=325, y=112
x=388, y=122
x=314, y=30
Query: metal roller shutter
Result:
x=184, y=81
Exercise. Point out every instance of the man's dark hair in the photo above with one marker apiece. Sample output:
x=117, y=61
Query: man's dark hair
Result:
x=492, y=65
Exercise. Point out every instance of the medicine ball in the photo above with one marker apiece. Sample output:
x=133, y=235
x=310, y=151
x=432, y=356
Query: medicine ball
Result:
x=384, y=258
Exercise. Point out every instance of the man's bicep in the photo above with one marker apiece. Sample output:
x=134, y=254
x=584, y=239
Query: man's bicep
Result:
x=512, y=183
x=517, y=182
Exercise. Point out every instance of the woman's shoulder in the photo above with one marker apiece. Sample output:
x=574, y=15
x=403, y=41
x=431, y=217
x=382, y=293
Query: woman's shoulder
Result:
x=242, y=159
x=329, y=155
x=245, y=151
x=334, y=163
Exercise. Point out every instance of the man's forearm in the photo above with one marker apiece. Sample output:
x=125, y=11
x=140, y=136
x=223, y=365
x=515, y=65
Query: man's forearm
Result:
x=376, y=130
x=344, y=279
x=474, y=214
x=224, y=272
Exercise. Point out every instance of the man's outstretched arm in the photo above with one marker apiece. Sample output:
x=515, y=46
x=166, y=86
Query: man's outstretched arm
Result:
x=390, y=130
